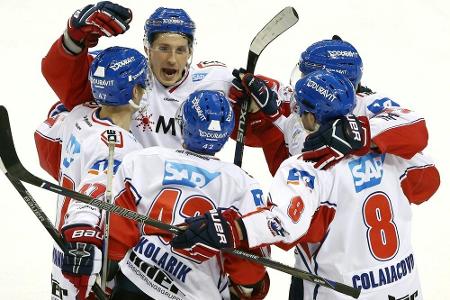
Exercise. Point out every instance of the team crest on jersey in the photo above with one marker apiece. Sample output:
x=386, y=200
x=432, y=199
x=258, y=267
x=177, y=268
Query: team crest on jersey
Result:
x=380, y=104
x=113, y=136
x=367, y=171
x=295, y=175
x=101, y=166
x=198, y=76
x=144, y=120
x=72, y=149
x=187, y=175
x=275, y=226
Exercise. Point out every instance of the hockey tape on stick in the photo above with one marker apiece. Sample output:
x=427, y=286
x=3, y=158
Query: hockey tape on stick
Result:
x=112, y=140
x=282, y=21
x=15, y=168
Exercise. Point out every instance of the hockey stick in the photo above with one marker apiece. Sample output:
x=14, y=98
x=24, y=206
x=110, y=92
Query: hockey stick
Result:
x=112, y=139
x=21, y=189
x=284, y=20
x=15, y=168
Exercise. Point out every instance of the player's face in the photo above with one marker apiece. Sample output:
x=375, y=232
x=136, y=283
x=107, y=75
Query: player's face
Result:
x=168, y=57
x=309, y=121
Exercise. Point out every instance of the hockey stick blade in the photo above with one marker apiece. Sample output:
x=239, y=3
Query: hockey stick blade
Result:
x=13, y=166
x=282, y=21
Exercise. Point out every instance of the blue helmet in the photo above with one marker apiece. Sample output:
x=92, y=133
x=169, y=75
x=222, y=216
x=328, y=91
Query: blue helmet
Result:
x=113, y=74
x=333, y=55
x=169, y=20
x=325, y=94
x=206, y=120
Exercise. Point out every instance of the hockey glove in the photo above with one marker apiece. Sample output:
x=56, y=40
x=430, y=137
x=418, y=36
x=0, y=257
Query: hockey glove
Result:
x=83, y=259
x=257, y=291
x=259, y=88
x=336, y=139
x=87, y=25
x=206, y=235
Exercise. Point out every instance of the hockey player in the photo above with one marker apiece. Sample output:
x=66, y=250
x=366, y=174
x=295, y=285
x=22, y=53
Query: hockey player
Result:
x=338, y=56
x=170, y=185
x=73, y=148
x=358, y=212
x=168, y=44
x=275, y=107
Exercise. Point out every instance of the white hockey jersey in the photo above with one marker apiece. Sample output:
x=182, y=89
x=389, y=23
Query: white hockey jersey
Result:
x=367, y=104
x=353, y=222
x=73, y=148
x=171, y=185
x=154, y=124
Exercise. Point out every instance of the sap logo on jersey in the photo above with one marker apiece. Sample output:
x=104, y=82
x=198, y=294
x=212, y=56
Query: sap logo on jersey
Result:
x=380, y=104
x=367, y=171
x=102, y=166
x=187, y=175
x=295, y=175
x=71, y=150
x=198, y=76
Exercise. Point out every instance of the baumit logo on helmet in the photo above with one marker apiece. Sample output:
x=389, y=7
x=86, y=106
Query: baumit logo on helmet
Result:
x=321, y=90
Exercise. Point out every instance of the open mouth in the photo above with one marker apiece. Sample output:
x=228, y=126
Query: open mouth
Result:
x=169, y=72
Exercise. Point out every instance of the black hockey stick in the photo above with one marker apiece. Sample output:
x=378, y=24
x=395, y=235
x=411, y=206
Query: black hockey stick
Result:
x=15, y=168
x=21, y=189
x=284, y=20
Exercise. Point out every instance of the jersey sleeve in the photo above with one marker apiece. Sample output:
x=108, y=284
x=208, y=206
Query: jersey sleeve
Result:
x=419, y=178
x=67, y=74
x=295, y=195
x=124, y=233
x=399, y=131
x=47, y=139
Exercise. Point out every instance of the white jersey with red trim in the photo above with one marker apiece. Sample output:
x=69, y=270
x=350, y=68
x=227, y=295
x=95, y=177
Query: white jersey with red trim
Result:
x=359, y=211
x=154, y=124
x=73, y=148
x=171, y=185
x=367, y=104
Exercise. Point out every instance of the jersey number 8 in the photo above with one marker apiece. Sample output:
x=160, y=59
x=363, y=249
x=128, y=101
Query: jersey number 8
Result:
x=382, y=234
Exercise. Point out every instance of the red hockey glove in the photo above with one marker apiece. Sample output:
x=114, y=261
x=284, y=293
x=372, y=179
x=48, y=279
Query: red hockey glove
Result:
x=259, y=88
x=83, y=259
x=206, y=235
x=336, y=139
x=86, y=26
x=257, y=291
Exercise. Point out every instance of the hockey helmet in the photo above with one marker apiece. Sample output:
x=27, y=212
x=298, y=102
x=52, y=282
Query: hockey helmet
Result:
x=206, y=120
x=325, y=94
x=113, y=74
